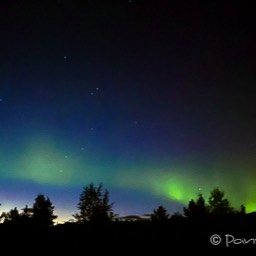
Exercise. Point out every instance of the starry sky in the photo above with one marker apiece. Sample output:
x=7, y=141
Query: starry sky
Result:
x=155, y=99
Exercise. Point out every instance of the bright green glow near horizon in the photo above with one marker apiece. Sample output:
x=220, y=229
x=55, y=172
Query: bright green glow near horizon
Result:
x=182, y=186
x=175, y=192
x=250, y=207
x=250, y=201
x=183, y=190
x=178, y=188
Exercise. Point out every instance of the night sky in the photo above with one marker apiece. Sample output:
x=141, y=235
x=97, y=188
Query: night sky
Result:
x=156, y=99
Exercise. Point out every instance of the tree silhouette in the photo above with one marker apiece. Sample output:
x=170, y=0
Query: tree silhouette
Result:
x=27, y=212
x=26, y=216
x=12, y=216
x=218, y=204
x=94, y=205
x=242, y=209
x=196, y=209
x=176, y=216
x=43, y=211
x=160, y=214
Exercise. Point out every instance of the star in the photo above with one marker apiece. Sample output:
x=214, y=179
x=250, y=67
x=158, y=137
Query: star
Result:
x=65, y=57
x=92, y=93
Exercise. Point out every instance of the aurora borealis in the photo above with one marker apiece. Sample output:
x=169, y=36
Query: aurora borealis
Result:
x=153, y=98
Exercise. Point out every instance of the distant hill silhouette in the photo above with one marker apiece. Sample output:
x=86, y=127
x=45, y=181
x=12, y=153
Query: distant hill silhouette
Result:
x=134, y=218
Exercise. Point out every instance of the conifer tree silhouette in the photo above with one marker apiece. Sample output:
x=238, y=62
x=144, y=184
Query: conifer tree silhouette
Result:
x=43, y=211
x=94, y=205
x=160, y=214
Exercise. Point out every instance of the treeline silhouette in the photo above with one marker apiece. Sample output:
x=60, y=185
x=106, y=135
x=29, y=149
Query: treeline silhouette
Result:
x=96, y=221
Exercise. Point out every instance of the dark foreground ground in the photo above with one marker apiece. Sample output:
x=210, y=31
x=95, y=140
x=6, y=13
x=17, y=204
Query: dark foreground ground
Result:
x=131, y=237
